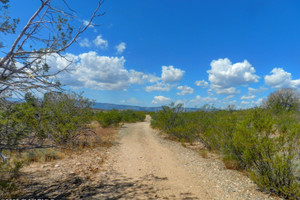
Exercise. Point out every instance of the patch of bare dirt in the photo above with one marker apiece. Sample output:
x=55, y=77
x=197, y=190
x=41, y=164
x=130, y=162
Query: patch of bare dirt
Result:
x=66, y=178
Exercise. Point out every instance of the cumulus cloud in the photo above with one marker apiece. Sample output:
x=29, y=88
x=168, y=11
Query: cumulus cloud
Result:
x=140, y=77
x=202, y=100
x=249, y=97
x=224, y=76
x=89, y=70
x=160, y=86
x=185, y=90
x=280, y=79
x=85, y=43
x=226, y=91
x=86, y=22
x=131, y=101
x=202, y=83
x=228, y=97
x=160, y=100
x=101, y=72
x=245, y=102
x=252, y=91
x=171, y=74
x=121, y=47
x=259, y=101
x=100, y=42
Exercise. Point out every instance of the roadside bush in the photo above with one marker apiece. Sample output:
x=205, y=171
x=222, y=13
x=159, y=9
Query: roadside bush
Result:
x=131, y=116
x=58, y=117
x=114, y=117
x=109, y=118
x=8, y=175
x=64, y=116
x=257, y=140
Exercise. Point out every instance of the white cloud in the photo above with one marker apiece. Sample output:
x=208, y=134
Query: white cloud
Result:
x=259, y=102
x=140, y=78
x=280, y=79
x=227, y=91
x=202, y=83
x=171, y=74
x=160, y=87
x=85, y=43
x=89, y=70
x=252, y=91
x=131, y=101
x=228, y=97
x=224, y=76
x=180, y=102
x=202, y=100
x=101, y=72
x=86, y=22
x=160, y=100
x=245, y=102
x=121, y=47
x=249, y=97
x=100, y=42
x=185, y=90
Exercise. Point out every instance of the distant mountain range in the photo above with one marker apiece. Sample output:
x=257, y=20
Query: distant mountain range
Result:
x=109, y=106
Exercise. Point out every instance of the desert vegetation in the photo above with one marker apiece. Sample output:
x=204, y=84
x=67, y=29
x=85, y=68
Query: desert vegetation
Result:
x=264, y=141
x=37, y=130
x=114, y=117
x=57, y=118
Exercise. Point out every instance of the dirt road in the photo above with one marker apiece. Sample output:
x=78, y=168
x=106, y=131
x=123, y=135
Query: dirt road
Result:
x=145, y=166
x=141, y=165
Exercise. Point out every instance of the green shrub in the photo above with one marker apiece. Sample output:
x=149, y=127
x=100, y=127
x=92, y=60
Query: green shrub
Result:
x=258, y=140
x=258, y=145
x=8, y=175
x=132, y=116
x=109, y=118
x=64, y=115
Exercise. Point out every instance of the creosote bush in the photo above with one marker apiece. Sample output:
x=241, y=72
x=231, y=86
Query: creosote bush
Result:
x=259, y=140
x=115, y=117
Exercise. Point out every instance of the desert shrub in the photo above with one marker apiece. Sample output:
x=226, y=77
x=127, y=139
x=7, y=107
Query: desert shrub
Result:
x=283, y=100
x=259, y=140
x=41, y=155
x=268, y=152
x=58, y=116
x=168, y=118
x=132, y=116
x=64, y=115
x=108, y=118
x=8, y=175
x=114, y=117
x=174, y=121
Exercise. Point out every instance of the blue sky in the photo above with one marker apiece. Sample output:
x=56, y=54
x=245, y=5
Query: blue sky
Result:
x=196, y=52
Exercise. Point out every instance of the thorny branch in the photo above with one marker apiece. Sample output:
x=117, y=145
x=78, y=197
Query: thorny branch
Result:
x=23, y=66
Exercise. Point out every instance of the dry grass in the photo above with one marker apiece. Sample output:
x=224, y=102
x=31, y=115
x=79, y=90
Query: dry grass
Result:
x=203, y=153
x=231, y=163
x=77, y=151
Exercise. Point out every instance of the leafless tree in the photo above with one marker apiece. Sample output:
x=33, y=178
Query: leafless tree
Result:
x=50, y=30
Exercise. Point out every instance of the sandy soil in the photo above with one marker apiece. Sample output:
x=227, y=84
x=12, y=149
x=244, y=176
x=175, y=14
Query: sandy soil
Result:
x=143, y=165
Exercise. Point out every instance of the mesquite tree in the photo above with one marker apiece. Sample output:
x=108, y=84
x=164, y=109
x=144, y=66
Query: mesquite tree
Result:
x=283, y=100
